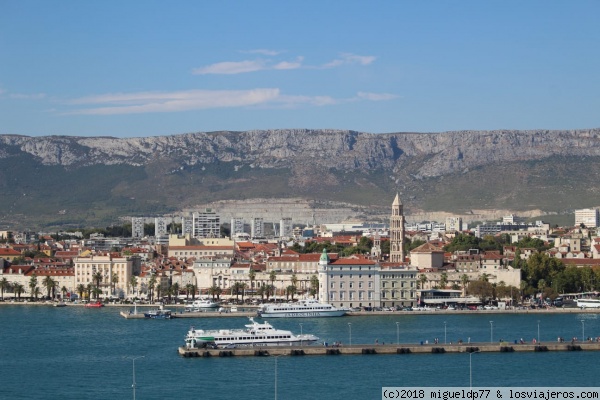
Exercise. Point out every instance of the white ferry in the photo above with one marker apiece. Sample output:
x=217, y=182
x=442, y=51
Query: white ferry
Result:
x=308, y=308
x=588, y=303
x=201, y=305
x=255, y=334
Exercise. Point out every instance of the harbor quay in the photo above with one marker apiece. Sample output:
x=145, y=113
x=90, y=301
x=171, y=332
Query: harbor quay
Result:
x=402, y=349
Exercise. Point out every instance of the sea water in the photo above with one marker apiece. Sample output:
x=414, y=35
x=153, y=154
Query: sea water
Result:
x=79, y=353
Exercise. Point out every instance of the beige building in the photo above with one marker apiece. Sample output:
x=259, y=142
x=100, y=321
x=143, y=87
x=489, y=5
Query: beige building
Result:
x=398, y=286
x=184, y=247
x=108, y=266
x=427, y=256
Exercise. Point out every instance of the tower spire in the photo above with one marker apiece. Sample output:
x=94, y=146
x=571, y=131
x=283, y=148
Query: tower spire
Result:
x=397, y=231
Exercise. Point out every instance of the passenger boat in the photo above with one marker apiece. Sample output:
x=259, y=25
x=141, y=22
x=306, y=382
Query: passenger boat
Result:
x=588, y=303
x=255, y=334
x=60, y=304
x=308, y=308
x=158, y=314
x=95, y=304
x=201, y=305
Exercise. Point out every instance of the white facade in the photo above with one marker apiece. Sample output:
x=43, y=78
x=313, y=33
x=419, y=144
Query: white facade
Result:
x=109, y=267
x=454, y=224
x=160, y=226
x=207, y=224
x=137, y=227
x=237, y=227
x=285, y=228
x=590, y=217
x=257, y=228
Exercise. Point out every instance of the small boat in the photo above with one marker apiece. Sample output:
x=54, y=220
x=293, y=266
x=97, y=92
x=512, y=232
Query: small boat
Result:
x=60, y=304
x=95, y=304
x=201, y=305
x=308, y=308
x=588, y=303
x=158, y=314
x=255, y=334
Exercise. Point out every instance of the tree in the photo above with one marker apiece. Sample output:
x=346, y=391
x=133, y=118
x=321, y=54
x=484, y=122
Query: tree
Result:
x=294, y=281
x=443, y=280
x=151, y=284
x=188, y=290
x=235, y=289
x=18, y=289
x=261, y=292
x=422, y=280
x=464, y=280
x=80, y=290
x=243, y=286
x=482, y=289
x=133, y=284
x=175, y=290
x=314, y=285
x=113, y=281
x=215, y=291
x=64, y=291
x=33, y=286
x=290, y=290
x=4, y=285
x=49, y=284
x=252, y=277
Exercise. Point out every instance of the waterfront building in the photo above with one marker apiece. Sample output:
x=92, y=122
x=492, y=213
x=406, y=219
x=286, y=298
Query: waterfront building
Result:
x=110, y=267
x=398, y=285
x=397, y=232
x=184, y=247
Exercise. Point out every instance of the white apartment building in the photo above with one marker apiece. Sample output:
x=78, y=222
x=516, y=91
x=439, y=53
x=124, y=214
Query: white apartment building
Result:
x=590, y=217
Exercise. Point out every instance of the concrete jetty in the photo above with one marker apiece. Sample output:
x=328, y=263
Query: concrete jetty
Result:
x=399, y=349
x=202, y=314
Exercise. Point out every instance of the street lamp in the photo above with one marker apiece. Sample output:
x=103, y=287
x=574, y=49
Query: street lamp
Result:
x=471, y=370
x=276, y=357
x=398, y=333
x=300, y=334
x=133, y=385
x=444, y=332
x=538, y=330
x=491, y=331
x=350, y=332
x=582, y=330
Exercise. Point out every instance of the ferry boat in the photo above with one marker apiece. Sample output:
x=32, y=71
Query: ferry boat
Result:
x=588, y=303
x=308, y=308
x=255, y=334
x=201, y=304
x=158, y=314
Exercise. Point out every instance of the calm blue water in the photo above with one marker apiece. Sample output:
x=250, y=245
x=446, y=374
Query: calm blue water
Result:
x=77, y=353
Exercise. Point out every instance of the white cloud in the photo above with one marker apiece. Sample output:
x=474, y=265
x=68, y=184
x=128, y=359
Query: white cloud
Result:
x=289, y=64
x=349, y=58
x=264, y=52
x=375, y=96
x=152, y=102
x=231, y=67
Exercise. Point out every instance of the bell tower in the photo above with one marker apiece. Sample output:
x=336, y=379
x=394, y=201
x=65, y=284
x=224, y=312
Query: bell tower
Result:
x=397, y=232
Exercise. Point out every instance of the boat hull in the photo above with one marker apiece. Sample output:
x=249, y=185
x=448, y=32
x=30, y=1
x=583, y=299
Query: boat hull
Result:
x=588, y=303
x=302, y=314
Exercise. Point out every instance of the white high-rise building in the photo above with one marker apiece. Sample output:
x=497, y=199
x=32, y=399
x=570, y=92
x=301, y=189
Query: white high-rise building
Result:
x=454, y=224
x=285, y=228
x=257, y=228
x=160, y=226
x=590, y=217
x=207, y=224
x=137, y=227
x=237, y=226
x=187, y=225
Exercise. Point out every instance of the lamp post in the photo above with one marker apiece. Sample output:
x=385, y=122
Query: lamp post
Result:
x=300, y=334
x=350, y=333
x=491, y=331
x=582, y=330
x=133, y=385
x=471, y=370
x=538, y=330
x=276, y=357
x=398, y=333
x=444, y=332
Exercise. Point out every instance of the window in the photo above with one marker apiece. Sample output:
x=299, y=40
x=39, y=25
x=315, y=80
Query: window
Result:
x=351, y=284
x=360, y=285
x=370, y=284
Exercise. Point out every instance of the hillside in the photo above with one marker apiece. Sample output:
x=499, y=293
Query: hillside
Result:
x=79, y=181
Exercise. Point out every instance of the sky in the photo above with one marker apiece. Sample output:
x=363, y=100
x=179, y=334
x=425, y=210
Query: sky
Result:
x=153, y=68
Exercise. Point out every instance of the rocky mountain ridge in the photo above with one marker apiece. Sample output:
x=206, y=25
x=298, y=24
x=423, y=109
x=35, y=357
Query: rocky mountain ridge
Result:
x=93, y=180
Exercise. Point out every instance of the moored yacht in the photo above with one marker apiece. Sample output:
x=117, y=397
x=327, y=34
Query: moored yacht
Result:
x=308, y=308
x=255, y=334
x=588, y=303
x=201, y=305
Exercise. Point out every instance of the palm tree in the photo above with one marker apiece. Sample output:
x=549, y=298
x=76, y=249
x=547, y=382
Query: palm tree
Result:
x=272, y=277
x=215, y=290
x=243, y=287
x=151, y=284
x=194, y=289
x=261, y=292
x=294, y=280
x=159, y=290
x=175, y=290
x=314, y=285
x=4, y=284
x=33, y=285
x=18, y=289
x=64, y=291
x=235, y=288
x=422, y=280
x=49, y=284
x=114, y=280
x=80, y=290
x=443, y=280
x=133, y=283
x=188, y=289
x=290, y=290
x=89, y=288
x=252, y=277
x=464, y=279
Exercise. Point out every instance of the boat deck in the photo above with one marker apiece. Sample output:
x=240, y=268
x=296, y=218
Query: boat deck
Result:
x=402, y=349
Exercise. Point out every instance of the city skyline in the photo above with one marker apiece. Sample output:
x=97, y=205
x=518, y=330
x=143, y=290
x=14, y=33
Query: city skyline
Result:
x=151, y=68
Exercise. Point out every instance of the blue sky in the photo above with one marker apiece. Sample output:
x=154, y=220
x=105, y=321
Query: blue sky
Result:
x=149, y=68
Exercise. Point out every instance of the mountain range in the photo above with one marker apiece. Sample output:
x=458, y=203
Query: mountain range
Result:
x=64, y=181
